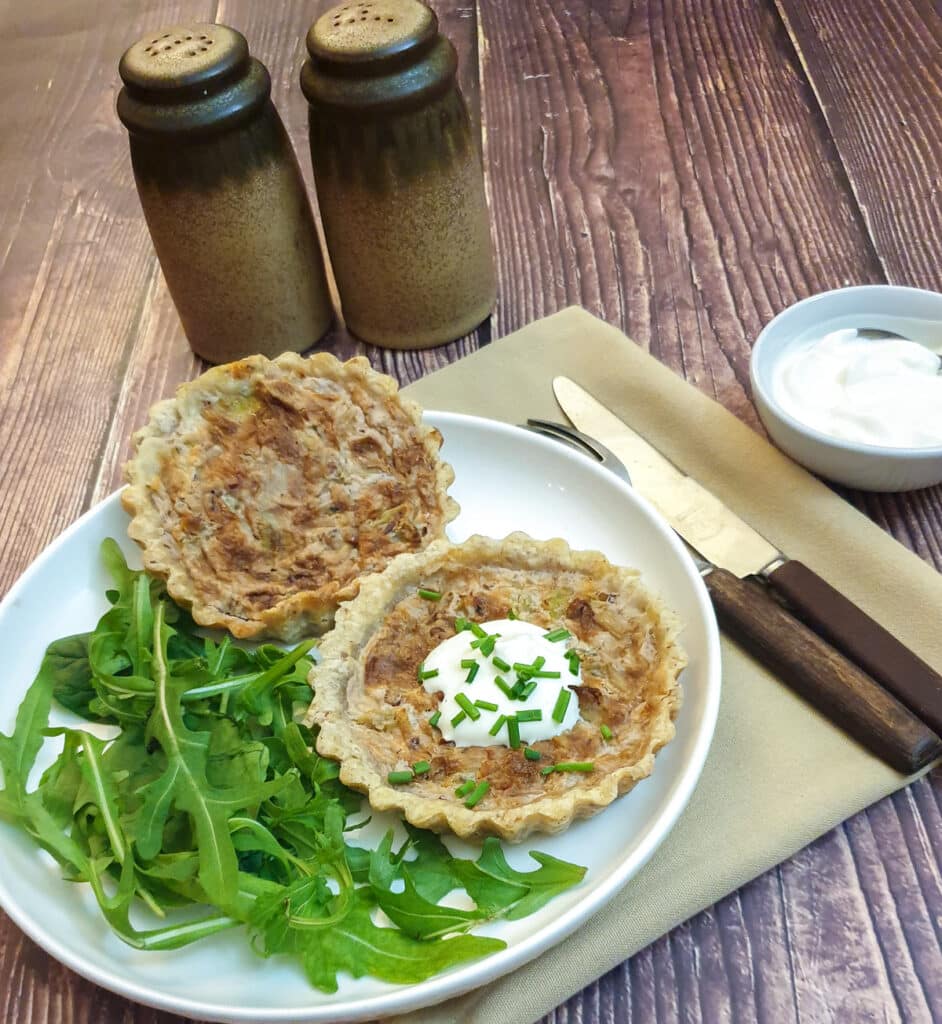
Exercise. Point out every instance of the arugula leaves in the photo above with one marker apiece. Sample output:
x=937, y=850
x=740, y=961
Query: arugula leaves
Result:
x=211, y=794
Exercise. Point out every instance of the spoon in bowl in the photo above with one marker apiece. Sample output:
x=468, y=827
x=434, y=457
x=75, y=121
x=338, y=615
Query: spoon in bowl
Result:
x=877, y=334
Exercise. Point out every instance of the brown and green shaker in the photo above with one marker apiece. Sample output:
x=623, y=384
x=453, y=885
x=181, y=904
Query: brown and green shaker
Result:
x=398, y=174
x=222, y=194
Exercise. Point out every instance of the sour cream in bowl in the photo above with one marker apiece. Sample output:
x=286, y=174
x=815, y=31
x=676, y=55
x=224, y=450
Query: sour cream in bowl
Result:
x=885, y=392
x=862, y=411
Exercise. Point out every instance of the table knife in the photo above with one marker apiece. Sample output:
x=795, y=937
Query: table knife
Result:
x=729, y=543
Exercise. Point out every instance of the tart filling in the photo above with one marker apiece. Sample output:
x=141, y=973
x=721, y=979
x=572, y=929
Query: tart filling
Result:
x=381, y=715
x=266, y=488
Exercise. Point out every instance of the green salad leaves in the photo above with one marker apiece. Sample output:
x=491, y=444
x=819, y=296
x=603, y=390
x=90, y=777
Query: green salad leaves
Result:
x=208, y=794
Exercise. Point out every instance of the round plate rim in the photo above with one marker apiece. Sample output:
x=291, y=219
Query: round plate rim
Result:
x=461, y=980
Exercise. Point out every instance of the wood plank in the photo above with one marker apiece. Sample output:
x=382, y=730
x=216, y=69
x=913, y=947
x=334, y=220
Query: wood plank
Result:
x=908, y=939
x=878, y=78
x=825, y=901
x=642, y=167
x=75, y=261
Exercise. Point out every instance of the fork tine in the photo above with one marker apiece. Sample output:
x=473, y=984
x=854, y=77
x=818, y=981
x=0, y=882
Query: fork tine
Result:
x=547, y=430
x=567, y=433
x=582, y=442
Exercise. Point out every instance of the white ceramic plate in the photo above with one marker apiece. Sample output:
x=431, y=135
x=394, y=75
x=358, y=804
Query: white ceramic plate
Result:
x=506, y=479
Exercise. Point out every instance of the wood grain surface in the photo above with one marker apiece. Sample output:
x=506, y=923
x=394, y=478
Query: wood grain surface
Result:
x=684, y=169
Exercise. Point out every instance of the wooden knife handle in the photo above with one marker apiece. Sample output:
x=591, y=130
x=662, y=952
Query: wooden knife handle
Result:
x=821, y=674
x=862, y=639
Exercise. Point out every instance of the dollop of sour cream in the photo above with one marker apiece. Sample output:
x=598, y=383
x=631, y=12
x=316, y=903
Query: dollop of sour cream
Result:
x=882, y=392
x=517, y=643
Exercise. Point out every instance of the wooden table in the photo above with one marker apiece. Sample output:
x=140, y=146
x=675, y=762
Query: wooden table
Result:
x=683, y=169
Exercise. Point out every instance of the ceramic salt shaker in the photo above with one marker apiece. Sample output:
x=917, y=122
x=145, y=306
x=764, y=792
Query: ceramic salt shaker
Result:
x=222, y=194
x=398, y=175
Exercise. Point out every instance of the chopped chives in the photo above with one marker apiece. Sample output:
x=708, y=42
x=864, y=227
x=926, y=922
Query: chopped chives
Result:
x=398, y=778
x=500, y=663
x=568, y=766
x=528, y=689
x=530, y=715
x=605, y=731
x=485, y=705
x=501, y=685
x=468, y=662
x=486, y=644
x=516, y=691
x=421, y=767
x=512, y=615
x=531, y=755
x=513, y=732
x=545, y=675
x=477, y=630
x=538, y=663
x=573, y=658
x=459, y=718
x=480, y=791
x=465, y=787
x=433, y=721
x=555, y=635
x=472, y=672
x=427, y=673
x=461, y=624
x=497, y=726
x=429, y=595
x=467, y=707
x=562, y=703
x=522, y=669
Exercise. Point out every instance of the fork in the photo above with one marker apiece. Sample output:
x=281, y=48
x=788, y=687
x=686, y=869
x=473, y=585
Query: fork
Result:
x=582, y=443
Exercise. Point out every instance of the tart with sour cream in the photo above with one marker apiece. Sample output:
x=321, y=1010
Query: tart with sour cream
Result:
x=266, y=489
x=497, y=687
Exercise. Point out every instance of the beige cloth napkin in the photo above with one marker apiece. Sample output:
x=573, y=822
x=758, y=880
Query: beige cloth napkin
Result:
x=778, y=774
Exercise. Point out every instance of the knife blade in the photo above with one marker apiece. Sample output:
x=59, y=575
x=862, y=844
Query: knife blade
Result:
x=727, y=541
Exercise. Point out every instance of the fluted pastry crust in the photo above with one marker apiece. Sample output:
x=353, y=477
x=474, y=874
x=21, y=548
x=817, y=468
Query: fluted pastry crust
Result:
x=372, y=712
x=265, y=489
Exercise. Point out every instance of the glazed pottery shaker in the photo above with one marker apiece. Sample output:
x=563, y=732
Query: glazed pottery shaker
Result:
x=398, y=174
x=222, y=194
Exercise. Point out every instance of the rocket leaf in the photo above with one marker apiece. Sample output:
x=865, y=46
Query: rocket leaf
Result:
x=184, y=785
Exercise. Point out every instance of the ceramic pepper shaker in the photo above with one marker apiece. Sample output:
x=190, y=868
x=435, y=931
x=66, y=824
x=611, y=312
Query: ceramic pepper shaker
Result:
x=222, y=194
x=398, y=174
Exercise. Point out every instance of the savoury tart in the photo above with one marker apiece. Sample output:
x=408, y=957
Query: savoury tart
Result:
x=373, y=712
x=265, y=489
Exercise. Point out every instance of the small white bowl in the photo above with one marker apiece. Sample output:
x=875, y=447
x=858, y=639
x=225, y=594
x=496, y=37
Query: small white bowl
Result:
x=869, y=467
